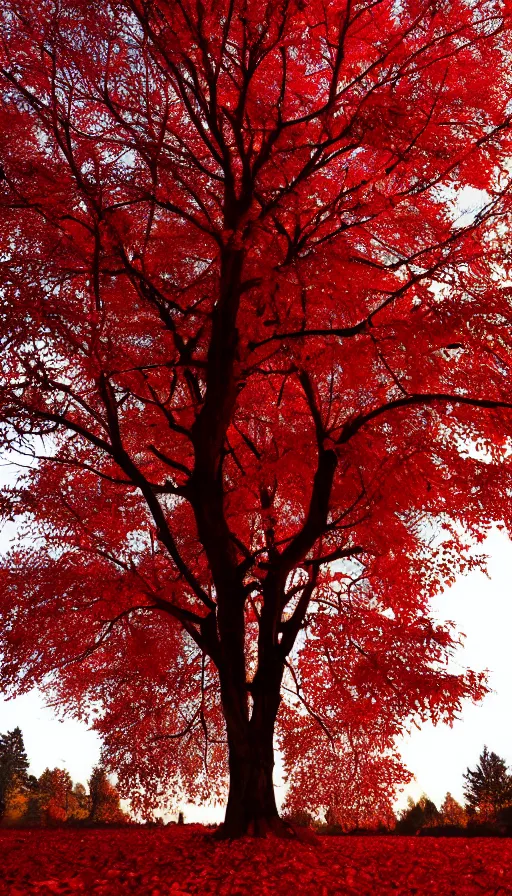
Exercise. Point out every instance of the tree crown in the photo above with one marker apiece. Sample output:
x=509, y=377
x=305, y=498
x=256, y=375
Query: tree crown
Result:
x=256, y=355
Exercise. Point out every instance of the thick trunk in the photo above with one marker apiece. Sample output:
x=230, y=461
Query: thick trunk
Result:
x=251, y=807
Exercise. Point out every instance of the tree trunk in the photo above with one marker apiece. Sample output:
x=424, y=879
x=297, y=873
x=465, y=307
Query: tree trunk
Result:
x=251, y=807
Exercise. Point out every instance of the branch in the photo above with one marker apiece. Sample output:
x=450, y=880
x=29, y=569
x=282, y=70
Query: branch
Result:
x=338, y=554
x=419, y=399
x=176, y=465
x=186, y=730
x=306, y=704
x=99, y=642
x=318, y=510
x=367, y=322
x=290, y=629
x=118, y=453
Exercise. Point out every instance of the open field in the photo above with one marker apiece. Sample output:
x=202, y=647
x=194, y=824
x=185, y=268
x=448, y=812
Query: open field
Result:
x=178, y=861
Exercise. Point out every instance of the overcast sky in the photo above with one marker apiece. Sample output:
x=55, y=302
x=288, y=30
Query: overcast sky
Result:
x=482, y=608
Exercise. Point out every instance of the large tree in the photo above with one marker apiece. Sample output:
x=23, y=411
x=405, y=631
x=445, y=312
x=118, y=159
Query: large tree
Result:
x=255, y=348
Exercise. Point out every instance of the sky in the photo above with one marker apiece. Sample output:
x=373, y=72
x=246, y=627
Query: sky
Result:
x=480, y=605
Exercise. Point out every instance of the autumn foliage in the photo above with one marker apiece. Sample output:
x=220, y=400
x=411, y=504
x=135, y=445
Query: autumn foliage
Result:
x=255, y=293
x=185, y=861
x=52, y=799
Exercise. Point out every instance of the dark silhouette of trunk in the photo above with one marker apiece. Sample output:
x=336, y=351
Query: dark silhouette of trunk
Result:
x=251, y=807
x=251, y=804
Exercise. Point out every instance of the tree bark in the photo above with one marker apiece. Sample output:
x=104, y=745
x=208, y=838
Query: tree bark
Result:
x=251, y=807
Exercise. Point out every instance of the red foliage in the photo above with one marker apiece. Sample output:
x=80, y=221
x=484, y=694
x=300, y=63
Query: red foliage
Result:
x=54, y=788
x=173, y=862
x=262, y=363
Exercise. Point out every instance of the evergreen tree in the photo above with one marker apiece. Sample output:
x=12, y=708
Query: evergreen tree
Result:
x=13, y=765
x=489, y=787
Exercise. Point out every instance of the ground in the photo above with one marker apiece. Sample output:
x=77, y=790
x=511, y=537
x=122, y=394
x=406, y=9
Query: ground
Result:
x=178, y=861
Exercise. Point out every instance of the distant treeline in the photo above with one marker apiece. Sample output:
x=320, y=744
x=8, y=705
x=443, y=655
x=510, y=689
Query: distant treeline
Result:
x=53, y=798
x=487, y=809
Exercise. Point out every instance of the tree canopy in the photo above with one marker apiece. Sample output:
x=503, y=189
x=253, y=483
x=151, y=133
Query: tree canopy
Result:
x=104, y=799
x=255, y=295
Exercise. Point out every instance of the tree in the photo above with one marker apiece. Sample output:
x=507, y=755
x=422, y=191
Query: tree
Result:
x=356, y=781
x=33, y=814
x=22, y=804
x=423, y=814
x=430, y=812
x=13, y=765
x=54, y=794
x=79, y=804
x=255, y=346
x=104, y=799
x=452, y=813
x=16, y=804
x=488, y=787
x=411, y=819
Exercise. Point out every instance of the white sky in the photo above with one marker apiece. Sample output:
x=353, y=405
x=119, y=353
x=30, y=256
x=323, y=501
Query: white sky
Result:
x=482, y=608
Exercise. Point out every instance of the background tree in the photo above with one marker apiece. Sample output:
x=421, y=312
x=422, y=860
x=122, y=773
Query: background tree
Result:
x=54, y=796
x=411, y=819
x=16, y=804
x=13, y=766
x=430, y=812
x=104, y=801
x=423, y=814
x=452, y=813
x=79, y=803
x=250, y=330
x=33, y=816
x=22, y=802
x=488, y=787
